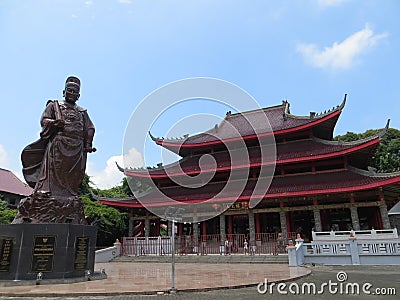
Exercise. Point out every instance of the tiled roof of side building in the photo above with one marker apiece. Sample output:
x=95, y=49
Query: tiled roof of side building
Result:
x=303, y=150
x=12, y=184
x=245, y=124
x=350, y=180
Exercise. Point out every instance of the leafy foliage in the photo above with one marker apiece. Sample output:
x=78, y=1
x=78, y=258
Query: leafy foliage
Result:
x=119, y=191
x=387, y=155
x=111, y=223
x=6, y=215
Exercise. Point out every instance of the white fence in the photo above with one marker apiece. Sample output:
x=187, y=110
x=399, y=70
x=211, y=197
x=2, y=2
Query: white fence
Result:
x=350, y=252
x=108, y=254
x=360, y=234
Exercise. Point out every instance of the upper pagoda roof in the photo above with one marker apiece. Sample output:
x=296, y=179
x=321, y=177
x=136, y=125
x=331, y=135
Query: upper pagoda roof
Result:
x=237, y=126
x=307, y=184
x=290, y=152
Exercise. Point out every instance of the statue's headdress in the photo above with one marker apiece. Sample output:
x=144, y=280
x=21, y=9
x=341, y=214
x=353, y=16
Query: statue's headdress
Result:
x=72, y=80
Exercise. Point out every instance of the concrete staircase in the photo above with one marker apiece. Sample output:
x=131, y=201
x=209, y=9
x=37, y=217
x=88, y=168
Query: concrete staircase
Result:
x=210, y=258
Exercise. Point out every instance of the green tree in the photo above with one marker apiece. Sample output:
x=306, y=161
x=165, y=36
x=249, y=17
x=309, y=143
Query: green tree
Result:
x=6, y=215
x=84, y=188
x=111, y=223
x=387, y=155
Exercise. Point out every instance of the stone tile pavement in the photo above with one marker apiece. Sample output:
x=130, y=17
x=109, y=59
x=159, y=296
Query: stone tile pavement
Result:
x=150, y=278
x=376, y=280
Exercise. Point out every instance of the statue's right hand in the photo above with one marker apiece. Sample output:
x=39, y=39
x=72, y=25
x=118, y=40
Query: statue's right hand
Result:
x=59, y=123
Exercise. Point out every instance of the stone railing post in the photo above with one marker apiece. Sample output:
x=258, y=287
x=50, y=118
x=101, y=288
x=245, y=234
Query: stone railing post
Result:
x=355, y=257
x=295, y=253
x=299, y=250
x=117, y=245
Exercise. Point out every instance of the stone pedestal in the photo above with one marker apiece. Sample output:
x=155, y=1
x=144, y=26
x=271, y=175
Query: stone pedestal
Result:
x=46, y=251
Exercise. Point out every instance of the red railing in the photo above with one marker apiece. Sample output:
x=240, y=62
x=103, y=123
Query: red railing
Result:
x=266, y=243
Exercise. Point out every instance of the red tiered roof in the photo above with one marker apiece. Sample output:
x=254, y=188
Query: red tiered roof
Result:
x=351, y=180
x=237, y=127
x=291, y=152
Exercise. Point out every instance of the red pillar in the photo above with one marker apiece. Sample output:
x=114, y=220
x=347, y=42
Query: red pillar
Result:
x=204, y=229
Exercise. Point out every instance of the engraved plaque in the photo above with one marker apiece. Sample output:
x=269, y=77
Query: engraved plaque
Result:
x=43, y=253
x=5, y=254
x=81, y=253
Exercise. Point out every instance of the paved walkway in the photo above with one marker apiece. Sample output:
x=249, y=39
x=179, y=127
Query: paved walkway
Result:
x=149, y=278
x=383, y=279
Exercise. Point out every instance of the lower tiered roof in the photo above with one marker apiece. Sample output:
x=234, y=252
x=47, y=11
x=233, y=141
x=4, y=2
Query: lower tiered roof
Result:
x=329, y=182
x=291, y=152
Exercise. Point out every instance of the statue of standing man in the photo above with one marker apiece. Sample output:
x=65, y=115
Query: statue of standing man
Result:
x=54, y=166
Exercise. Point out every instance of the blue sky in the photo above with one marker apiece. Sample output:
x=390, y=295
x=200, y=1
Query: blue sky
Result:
x=310, y=52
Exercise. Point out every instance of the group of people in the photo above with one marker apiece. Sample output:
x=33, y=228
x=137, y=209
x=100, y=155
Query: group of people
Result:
x=247, y=249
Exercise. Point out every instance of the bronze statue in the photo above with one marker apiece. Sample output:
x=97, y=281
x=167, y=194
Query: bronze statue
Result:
x=55, y=164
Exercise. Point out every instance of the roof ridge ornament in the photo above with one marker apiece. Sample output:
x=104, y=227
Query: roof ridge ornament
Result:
x=155, y=139
x=343, y=102
x=121, y=169
x=287, y=109
x=383, y=132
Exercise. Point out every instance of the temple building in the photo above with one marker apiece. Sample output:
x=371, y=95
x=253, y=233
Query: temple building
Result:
x=317, y=183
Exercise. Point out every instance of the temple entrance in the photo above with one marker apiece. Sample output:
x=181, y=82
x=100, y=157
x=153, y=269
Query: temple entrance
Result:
x=270, y=223
x=336, y=219
x=302, y=222
x=369, y=218
x=240, y=224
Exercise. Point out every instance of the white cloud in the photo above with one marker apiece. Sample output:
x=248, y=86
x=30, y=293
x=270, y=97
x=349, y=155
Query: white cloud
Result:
x=3, y=157
x=89, y=3
x=110, y=176
x=330, y=2
x=341, y=55
x=125, y=1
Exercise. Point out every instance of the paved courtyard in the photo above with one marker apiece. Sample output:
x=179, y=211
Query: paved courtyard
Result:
x=127, y=280
x=150, y=278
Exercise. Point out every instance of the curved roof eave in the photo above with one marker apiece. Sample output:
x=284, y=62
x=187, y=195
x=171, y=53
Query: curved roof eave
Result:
x=363, y=144
x=267, y=196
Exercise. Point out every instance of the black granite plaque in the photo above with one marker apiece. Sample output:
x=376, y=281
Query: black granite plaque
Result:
x=43, y=253
x=5, y=254
x=52, y=249
x=81, y=253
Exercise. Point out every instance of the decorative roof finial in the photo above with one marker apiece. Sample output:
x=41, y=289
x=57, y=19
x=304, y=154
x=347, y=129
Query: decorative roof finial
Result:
x=343, y=102
x=387, y=124
x=383, y=132
x=120, y=168
x=153, y=137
